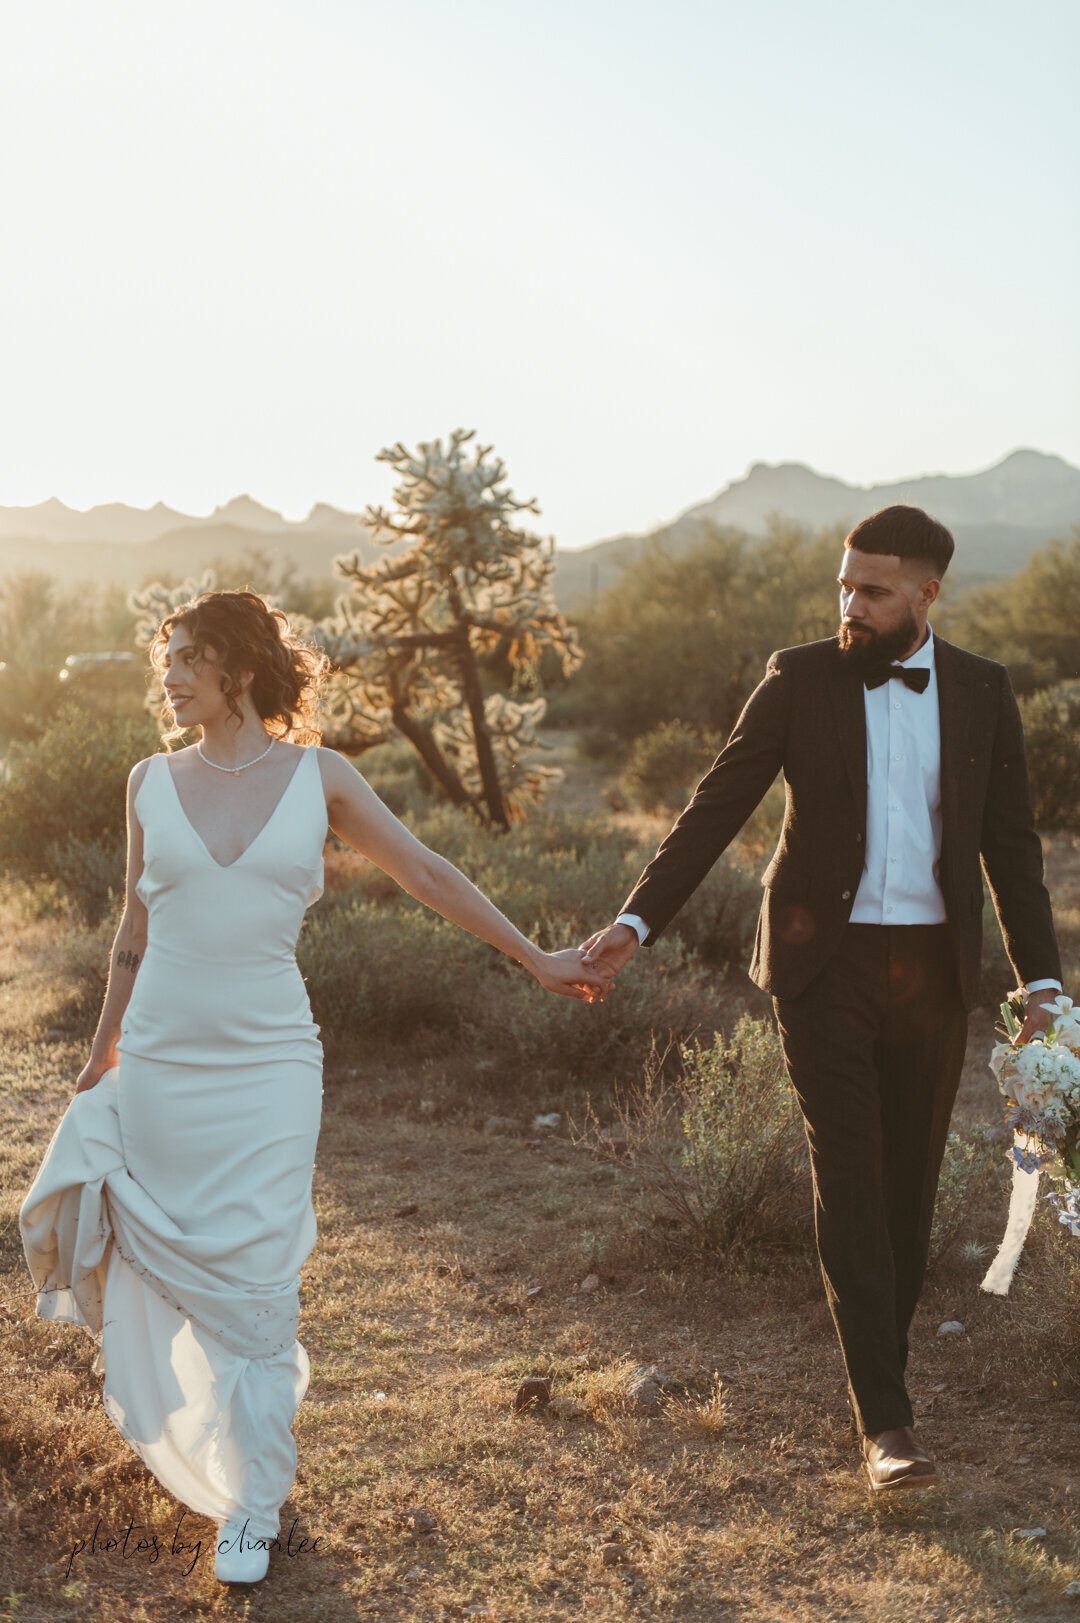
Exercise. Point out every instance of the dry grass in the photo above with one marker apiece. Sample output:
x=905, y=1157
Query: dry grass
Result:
x=741, y=1499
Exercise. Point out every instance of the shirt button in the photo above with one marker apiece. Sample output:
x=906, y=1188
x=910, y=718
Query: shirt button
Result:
x=898, y=757
x=888, y=910
x=892, y=859
x=894, y=807
x=896, y=704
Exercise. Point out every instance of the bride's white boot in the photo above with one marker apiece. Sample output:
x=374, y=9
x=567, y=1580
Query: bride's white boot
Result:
x=244, y=1559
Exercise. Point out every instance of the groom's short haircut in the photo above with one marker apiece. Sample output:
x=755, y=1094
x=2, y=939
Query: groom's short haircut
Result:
x=905, y=532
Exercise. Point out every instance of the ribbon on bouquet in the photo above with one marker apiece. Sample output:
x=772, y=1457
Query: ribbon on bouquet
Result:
x=1022, y=1198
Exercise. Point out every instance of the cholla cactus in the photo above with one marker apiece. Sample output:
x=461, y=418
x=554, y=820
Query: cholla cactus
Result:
x=406, y=638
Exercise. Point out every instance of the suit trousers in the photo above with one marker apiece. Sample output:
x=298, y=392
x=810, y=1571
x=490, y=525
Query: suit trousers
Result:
x=874, y=1049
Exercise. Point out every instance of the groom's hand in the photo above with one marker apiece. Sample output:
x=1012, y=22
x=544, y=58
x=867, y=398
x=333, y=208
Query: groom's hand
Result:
x=608, y=950
x=1036, y=1018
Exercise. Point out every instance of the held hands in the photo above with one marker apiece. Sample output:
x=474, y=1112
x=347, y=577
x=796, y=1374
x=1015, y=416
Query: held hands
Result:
x=608, y=950
x=566, y=973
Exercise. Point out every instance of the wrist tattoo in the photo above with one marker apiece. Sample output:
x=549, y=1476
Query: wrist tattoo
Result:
x=128, y=960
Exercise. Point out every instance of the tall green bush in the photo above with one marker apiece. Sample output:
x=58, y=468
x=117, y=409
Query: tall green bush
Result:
x=1030, y=620
x=1052, y=740
x=686, y=637
x=62, y=806
x=666, y=764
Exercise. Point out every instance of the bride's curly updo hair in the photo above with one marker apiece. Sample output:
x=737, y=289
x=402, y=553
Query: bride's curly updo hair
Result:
x=245, y=634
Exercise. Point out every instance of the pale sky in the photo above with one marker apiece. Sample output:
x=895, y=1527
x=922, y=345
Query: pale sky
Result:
x=637, y=244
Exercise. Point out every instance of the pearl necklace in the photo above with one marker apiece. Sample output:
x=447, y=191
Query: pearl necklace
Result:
x=233, y=770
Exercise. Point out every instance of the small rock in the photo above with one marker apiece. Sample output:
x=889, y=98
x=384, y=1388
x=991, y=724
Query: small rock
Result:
x=500, y=1124
x=1022, y=1459
x=56, y=1034
x=409, y=1209
x=614, y=1139
x=644, y=1398
x=534, y=1290
x=590, y=1283
x=427, y=1107
x=419, y=1520
x=971, y=1453
x=566, y=1409
x=534, y=1392
x=1073, y=1588
x=506, y=1306
x=360, y=1550
x=645, y=1387
x=637, y=1587
x=611, y=1554
x=950, y=1327
x=1031, y=1534
x=551, y=1121
x=602, y=1513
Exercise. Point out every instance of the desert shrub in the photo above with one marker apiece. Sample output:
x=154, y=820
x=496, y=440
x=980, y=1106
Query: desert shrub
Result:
x=1052, y=740
x=968, y=1166
x=666, y=764
x=62, y=806
x=90, y=873
x=686, y=632
x=374, y=970
x=661, y=996
x=718, y=922
x=719, y=1151
x=1030, y=620
x=398, y=973
x=558, y=877
x=398, y=777
x=41, y=623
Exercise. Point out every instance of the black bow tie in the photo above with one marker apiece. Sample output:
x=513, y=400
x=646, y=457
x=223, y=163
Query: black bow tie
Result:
x=917, y=680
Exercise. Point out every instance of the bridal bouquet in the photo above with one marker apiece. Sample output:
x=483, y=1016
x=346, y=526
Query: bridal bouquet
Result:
x=1041, y=1084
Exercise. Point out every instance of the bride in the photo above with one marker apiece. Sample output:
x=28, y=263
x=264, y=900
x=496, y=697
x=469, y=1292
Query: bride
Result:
x=172, y=1212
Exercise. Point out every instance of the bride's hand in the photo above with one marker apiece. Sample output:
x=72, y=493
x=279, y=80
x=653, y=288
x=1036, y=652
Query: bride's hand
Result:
x=92, y=1073
x=565, y=973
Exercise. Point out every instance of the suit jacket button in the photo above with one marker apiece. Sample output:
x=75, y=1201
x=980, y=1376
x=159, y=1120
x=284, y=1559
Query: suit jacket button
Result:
x=845, y=895
x=858, y=839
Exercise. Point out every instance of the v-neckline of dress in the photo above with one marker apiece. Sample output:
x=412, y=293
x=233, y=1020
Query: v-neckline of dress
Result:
x=224, y=867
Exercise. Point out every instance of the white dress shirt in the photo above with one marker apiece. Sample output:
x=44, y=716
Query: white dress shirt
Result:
x=899, y=883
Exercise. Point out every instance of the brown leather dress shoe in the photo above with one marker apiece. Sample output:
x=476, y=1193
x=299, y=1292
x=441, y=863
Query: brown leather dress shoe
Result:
x=895, y=1459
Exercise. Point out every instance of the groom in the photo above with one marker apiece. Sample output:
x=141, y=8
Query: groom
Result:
x=904, y=763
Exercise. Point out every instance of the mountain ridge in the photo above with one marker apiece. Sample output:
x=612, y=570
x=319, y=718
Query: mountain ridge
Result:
x=999, y=516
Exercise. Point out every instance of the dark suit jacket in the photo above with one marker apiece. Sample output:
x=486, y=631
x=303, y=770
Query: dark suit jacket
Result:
x=807, y=718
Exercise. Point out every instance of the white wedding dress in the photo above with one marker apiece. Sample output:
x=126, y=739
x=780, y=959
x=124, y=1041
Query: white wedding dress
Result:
x=172, y=1212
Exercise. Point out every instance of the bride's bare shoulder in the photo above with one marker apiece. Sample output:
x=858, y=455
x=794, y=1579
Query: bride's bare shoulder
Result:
x=338, y=774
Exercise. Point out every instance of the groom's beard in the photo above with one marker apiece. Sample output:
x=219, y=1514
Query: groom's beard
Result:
x=863, y=649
